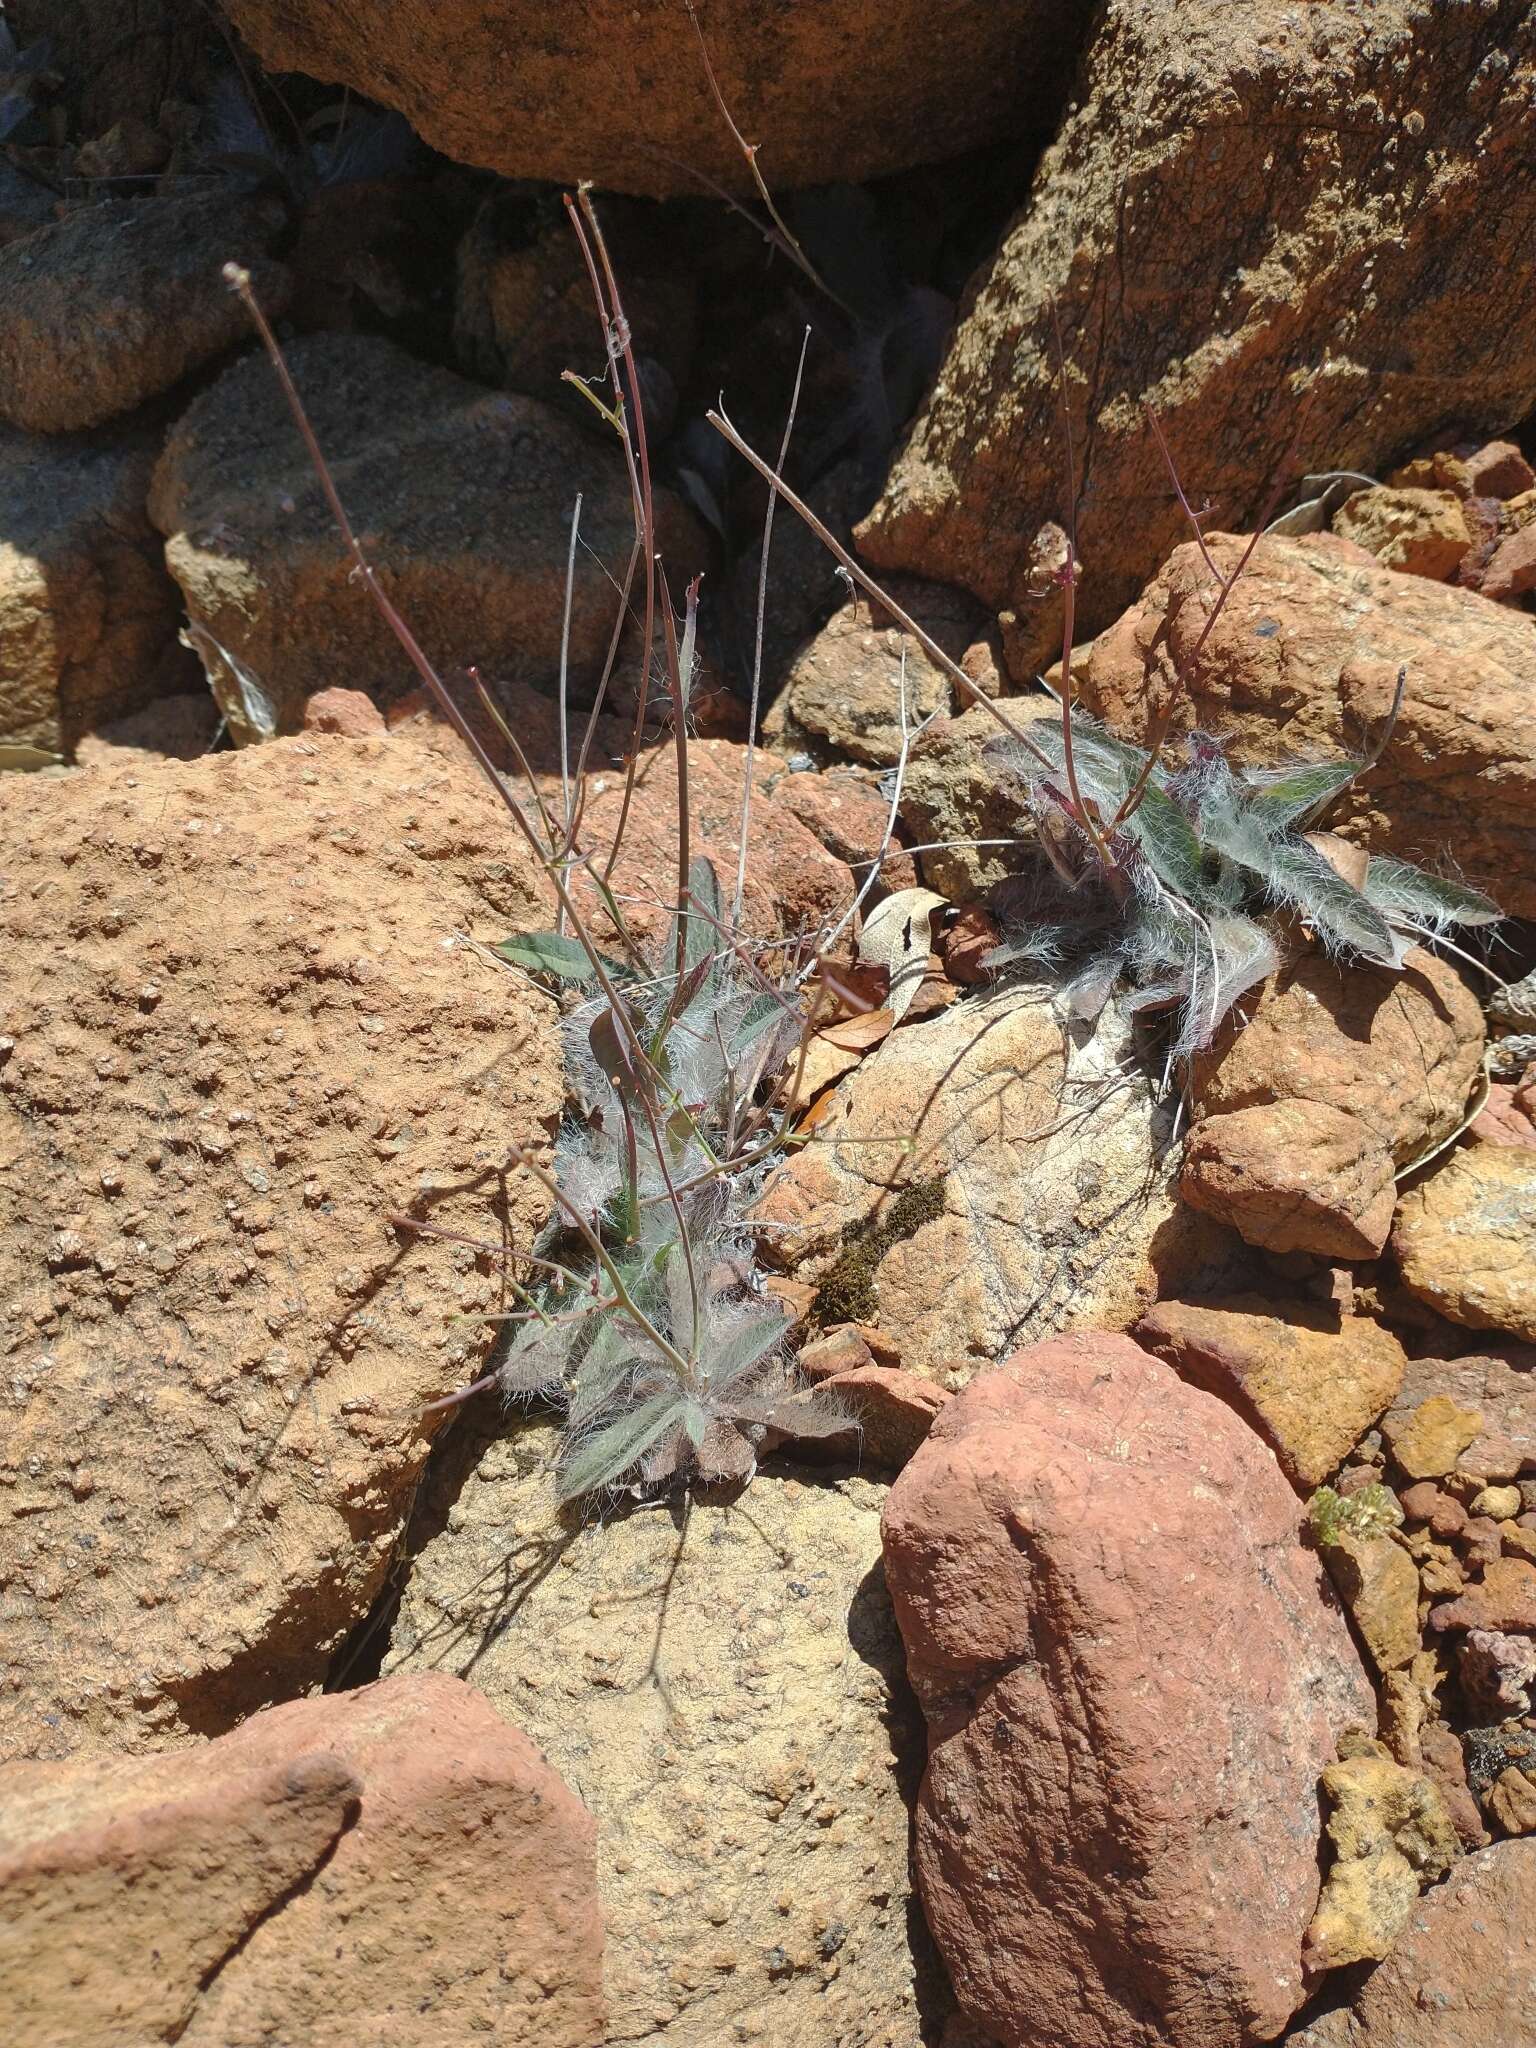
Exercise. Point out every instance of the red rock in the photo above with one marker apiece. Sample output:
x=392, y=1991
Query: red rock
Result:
x=1463, y=1973
x=793, y=883
x=966, y=944
x=1501, y=1390
x=1293, y=1176
x=1424, y=1502
x=1441, y=1759
x=1498, y=470
x=392, y=1864
x=849, y=816
x=894, y=1411
x=1505, y=1118
x=1133, y=1671
x=351, y=713
x=1511, y=569
x=1504, y=1599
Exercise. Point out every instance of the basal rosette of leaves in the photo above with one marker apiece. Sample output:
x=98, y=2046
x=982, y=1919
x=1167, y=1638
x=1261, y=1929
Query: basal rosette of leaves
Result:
x=1176, y=908
x=647, y=1326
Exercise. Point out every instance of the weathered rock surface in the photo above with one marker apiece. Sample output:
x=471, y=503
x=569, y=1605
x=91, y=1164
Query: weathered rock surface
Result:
x=1502, y=1392
x=532, y=98
x=1232, y=195
x=793, y=883
x=118, y=301
x=724, y=1687
x=1133, y=1672
x=952, y=798
x=1375, y=1067
x=979, y=1181
x=88, y=616
x=1422, y=533
x=1311, y=1381
x=1463, y=1972
x=1293, y=1176
x=237, y=1038
x=396, y=1863
x=1391, y=1834
x=1302, y=665
x=1465, y=1239
x=464, y=497
x=1376, y=1580
x=844, y=687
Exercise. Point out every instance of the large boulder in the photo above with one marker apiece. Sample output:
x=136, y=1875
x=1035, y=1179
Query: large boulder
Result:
x=464, y=497
x=724, y=1684
x=238, y=1035
x=1302, y=665
x=118, y=301
x=395, y=1864
x=619, y=94
x=1133, y=1673
x=981, y=1180
x=88, y=616
x=1232, y=202
x=1463, y=1973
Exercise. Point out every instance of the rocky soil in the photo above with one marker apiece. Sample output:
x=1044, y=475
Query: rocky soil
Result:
x=1108, y=1620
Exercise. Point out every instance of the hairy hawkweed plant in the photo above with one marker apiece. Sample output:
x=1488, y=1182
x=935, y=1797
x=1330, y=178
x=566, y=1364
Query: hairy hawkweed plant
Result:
x=1177, y=913
x=639, y=1311
x=672, y=1363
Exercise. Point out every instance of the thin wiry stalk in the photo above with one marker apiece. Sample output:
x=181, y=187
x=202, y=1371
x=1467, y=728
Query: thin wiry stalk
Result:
x=871, y=588
x=565, y=676
x=908, y=736
x=1157, y=739
x=1081, y=811
x=757, y=649
x=637, y=461
x=749, y=150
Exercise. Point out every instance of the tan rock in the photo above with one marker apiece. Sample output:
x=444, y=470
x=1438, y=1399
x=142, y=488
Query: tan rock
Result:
x=236, y=1041
x=952, y=797
x=979, y=1178
x=1422, y=533
x=1311, y=1382
x=844, y=688
x=1293, y=1176
x=1428, y=1440
x=1391, y=1835
x=1377, y=1582
x=828, y=98
x=1067, y=1509
x=473, y=554
x=1303, y=664
x=1512, y=1801
x=726, y=1687
x=305, y=1879
x=88, y=616
x=1463, y=1971
x=118, y=301
x=1400, y=1052
x=1465, y=1239
x=1133, y=233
